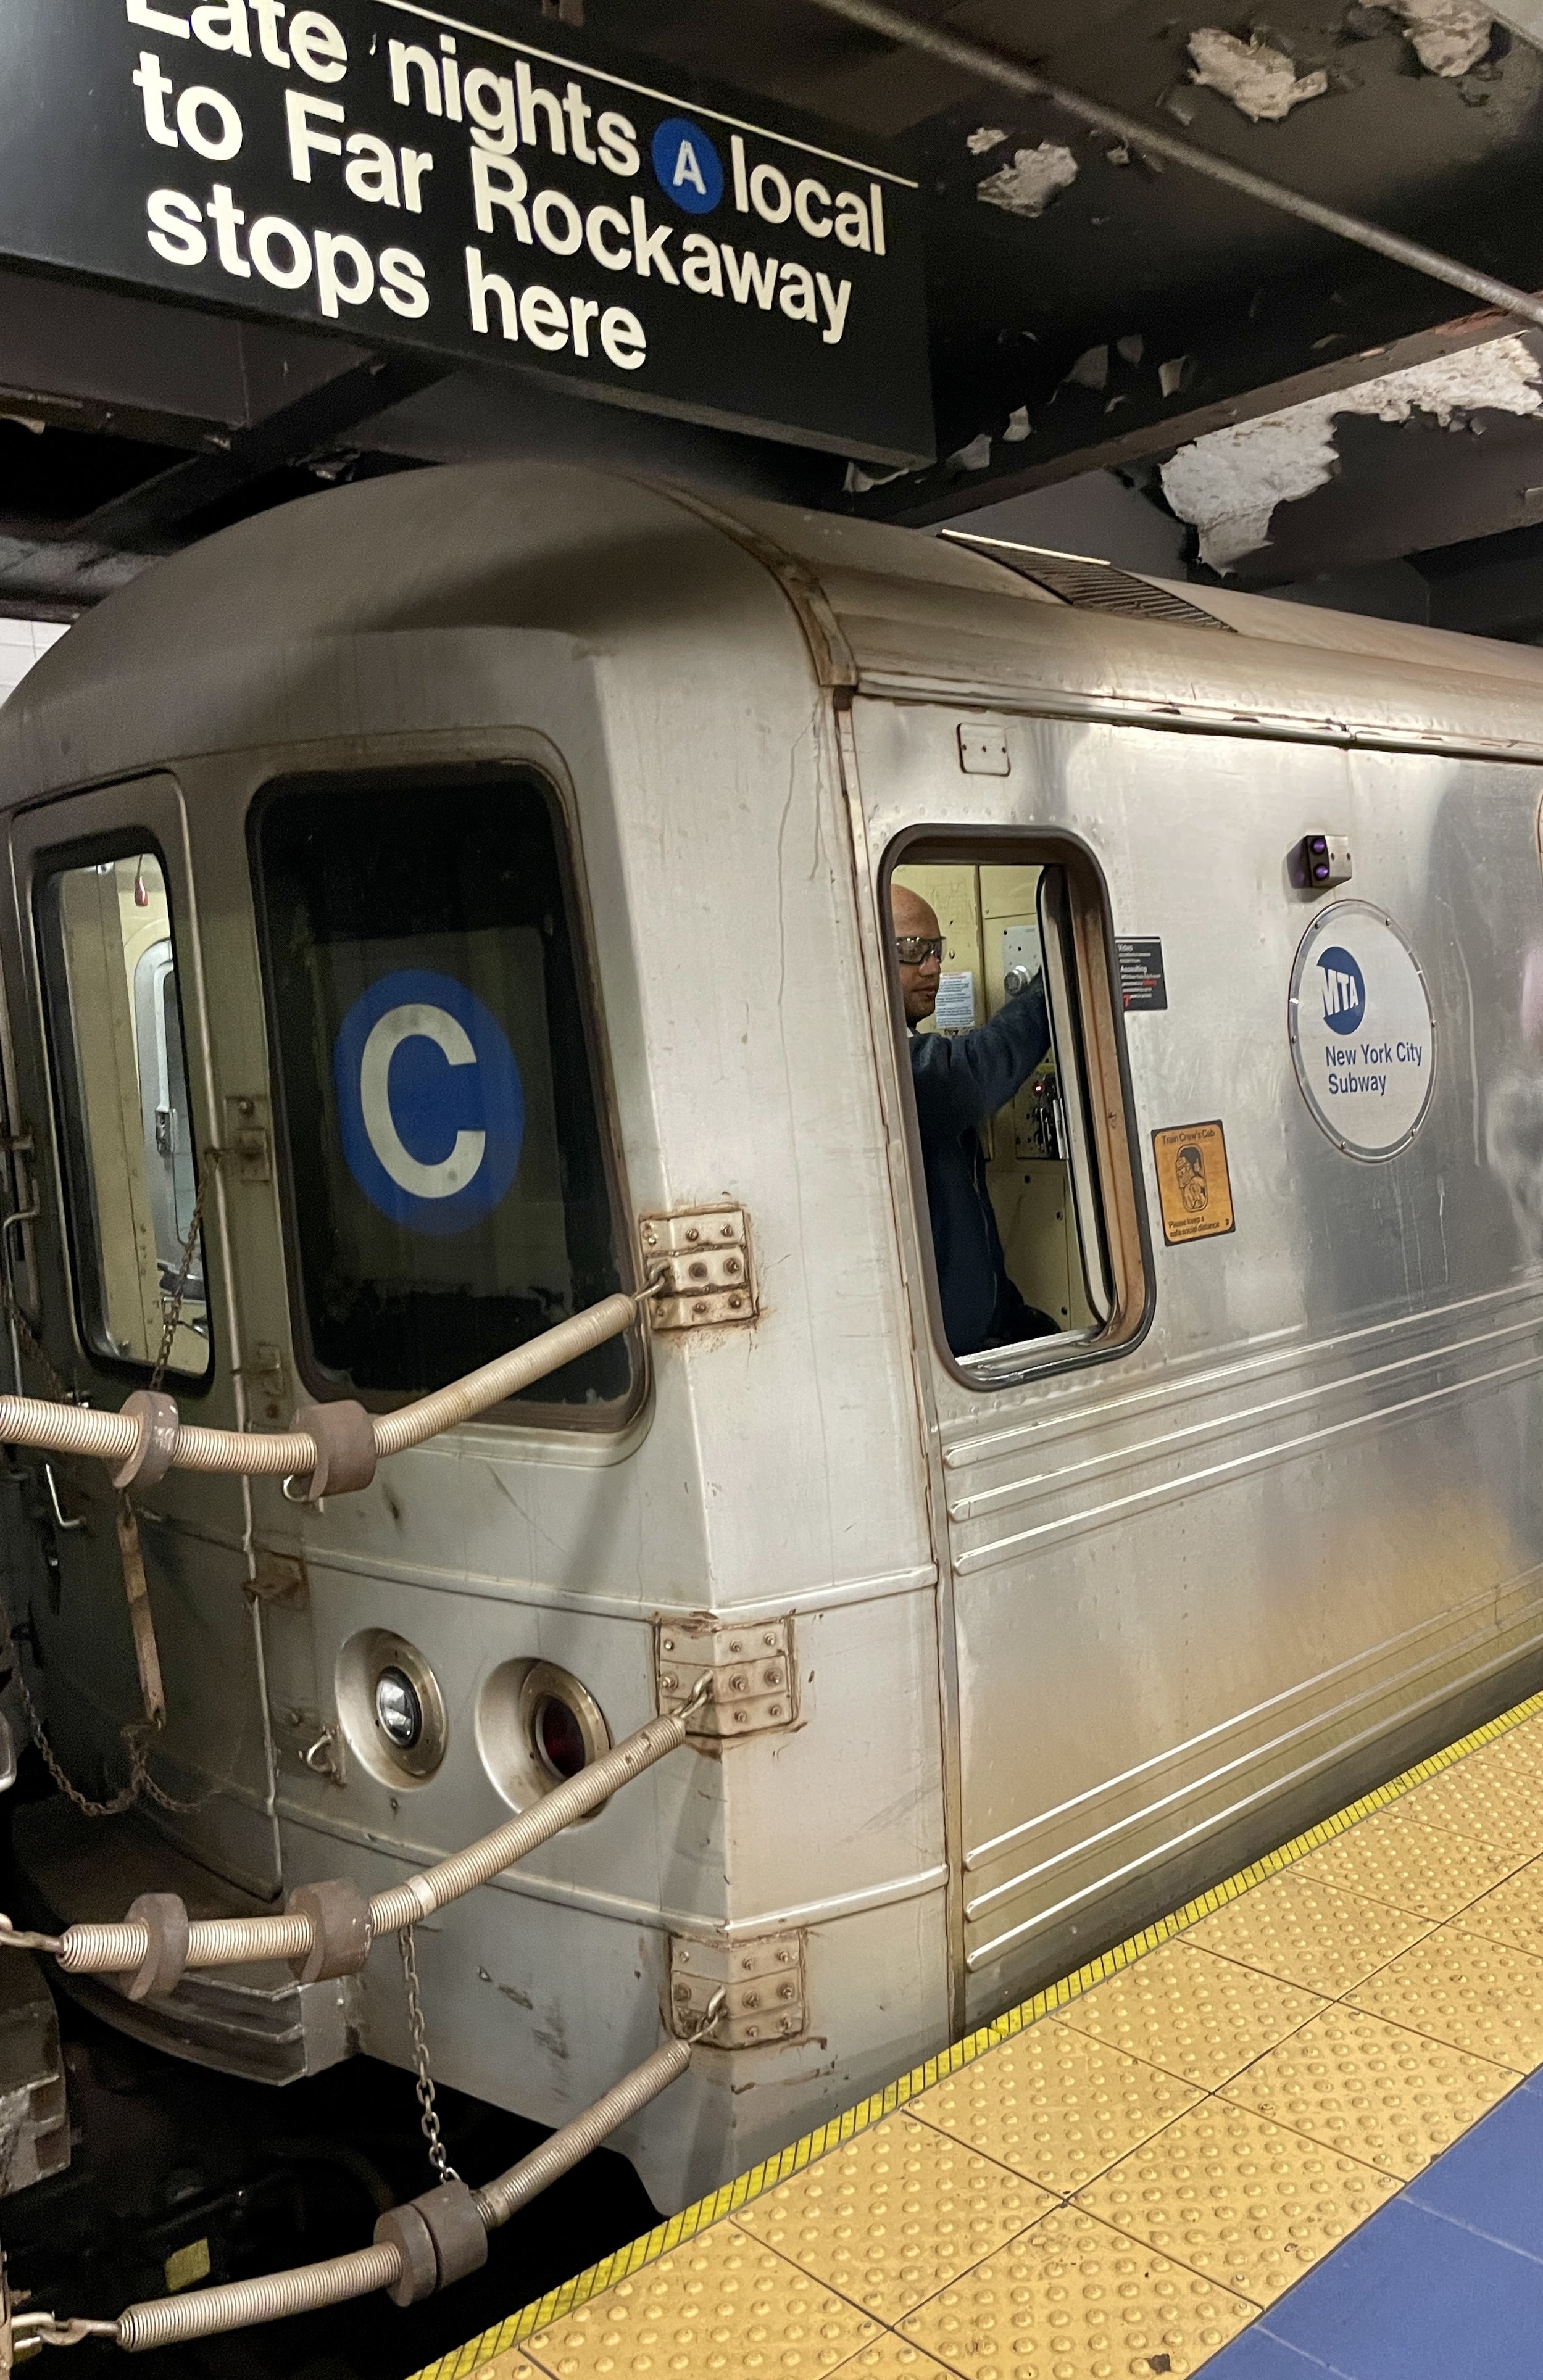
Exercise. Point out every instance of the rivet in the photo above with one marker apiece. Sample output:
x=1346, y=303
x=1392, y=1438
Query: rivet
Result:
x=735, y=1645
x=752, y=1999
x=727, y=1231
x=667, y=1685
x=752, y=2033
x=697, y=1271
x=769, y=1678
x=699, y=1308
x=737, y=1684
x=682, y=1993
x=784, y=1991
x=735, y=1305
x=784, y=1957
x=731, y=1266
x=789, y=2024
x=650, y=1237
x=693, y=1236
x=748, y=1965
x=742, y=1719
x=775, y=1711
x=669, y=1643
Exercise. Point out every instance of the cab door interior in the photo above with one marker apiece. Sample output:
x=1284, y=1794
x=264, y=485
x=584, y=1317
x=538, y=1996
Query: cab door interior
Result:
x=990, y=918
x=113, y=1082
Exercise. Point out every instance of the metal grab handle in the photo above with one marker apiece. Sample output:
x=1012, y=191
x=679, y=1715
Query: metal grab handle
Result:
x=60, y=1521
x=119, y=1438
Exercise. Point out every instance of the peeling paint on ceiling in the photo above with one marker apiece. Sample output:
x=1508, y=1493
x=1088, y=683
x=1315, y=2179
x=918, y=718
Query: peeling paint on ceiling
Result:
x=1031, y=181
x=1228, y=483
x=1448, y=36
x=1260, y=80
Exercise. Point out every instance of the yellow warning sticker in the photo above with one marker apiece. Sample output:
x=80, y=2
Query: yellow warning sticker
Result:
x=1192, y=1181
x=186, y=2266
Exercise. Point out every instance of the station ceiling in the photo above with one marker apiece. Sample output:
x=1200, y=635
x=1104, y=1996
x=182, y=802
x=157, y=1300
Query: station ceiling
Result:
x=1092, y=307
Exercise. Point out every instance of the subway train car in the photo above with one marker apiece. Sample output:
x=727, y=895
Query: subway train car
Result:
x=447, y=903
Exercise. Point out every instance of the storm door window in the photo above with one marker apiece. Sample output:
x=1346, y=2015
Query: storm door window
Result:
x=448, y=1189
x=125, y=1128
x=1001, y=975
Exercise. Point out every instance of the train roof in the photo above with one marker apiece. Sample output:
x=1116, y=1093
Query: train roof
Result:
x=215, y=649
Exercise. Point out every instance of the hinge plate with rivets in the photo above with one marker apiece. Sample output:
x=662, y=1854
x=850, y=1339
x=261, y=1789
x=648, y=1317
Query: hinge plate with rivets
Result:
x=761, y=1980
x=753, y=1672
x=702, y=1257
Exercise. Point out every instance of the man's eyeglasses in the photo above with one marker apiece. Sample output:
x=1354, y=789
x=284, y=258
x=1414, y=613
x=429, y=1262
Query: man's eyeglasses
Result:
x=914, y=949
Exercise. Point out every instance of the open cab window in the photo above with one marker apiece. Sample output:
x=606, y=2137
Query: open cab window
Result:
x=1020, y=1140
x=124, y=1120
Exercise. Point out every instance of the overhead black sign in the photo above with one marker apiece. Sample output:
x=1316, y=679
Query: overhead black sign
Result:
x=409, y=176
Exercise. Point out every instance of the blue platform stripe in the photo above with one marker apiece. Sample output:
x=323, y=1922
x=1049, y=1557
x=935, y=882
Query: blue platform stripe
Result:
x=746, y=2187
x=1447, y=2278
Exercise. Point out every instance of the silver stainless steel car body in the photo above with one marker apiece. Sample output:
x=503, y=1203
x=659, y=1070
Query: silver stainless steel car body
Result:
x=1065, y=1647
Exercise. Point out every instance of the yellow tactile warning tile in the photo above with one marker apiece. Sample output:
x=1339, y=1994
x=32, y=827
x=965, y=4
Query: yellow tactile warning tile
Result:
x=1223, y=2095
x=722, y=2305
x=891, y=2218
x=1055, y=2104
x=1501, y=1805
x=1192, y=2013
x=1376, y=2091
x=1310, y=1933
x=1430, y=1871
x=1074, y=2297
x=891, y=2359
x=1513, y=1913
x=1240, y=2200
x=1474, y=1993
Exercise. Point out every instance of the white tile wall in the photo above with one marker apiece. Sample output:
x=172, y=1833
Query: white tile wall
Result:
x=22, y=642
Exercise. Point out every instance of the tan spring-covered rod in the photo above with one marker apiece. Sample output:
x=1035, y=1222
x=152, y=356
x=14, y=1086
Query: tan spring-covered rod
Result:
x=124, y=1948
x=233, y=2305
x=120, y=1438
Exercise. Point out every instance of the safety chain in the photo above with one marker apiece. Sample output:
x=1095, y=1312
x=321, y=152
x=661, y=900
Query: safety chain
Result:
x=174, y=1302
x=429, y=2116
x=140, y=1785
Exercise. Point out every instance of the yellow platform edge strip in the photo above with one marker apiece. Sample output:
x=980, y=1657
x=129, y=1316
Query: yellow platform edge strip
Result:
x=761, y=2177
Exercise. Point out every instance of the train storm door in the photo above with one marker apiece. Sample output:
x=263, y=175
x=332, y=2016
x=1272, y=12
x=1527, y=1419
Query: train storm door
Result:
x=113, y=1283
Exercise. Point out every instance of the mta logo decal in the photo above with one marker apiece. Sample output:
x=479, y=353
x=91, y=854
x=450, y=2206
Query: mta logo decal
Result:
x=686, y=166
x=1344, y=990
x=430, y=1104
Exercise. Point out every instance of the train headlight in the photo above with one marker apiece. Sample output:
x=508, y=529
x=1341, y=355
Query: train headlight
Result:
x=398, y=1711
x=390, y=1706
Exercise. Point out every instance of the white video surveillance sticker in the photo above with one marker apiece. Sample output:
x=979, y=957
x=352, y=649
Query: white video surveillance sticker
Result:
x=1363, y=1038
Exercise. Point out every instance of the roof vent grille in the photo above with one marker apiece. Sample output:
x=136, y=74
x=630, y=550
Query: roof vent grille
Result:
x=1089, y=585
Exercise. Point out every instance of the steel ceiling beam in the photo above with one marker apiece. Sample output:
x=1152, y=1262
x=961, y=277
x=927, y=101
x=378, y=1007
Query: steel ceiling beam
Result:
x=1008, y=73
x=154, y=511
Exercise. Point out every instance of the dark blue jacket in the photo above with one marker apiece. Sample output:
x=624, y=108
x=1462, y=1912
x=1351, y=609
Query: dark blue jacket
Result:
x=959, y=1083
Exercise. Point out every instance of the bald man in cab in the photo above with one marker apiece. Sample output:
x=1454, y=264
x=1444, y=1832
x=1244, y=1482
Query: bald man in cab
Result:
x=961, y=1079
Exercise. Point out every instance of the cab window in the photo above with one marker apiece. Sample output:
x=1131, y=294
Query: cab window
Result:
x=449, y=1193
x=124, y=1121
x=1020, y=1141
